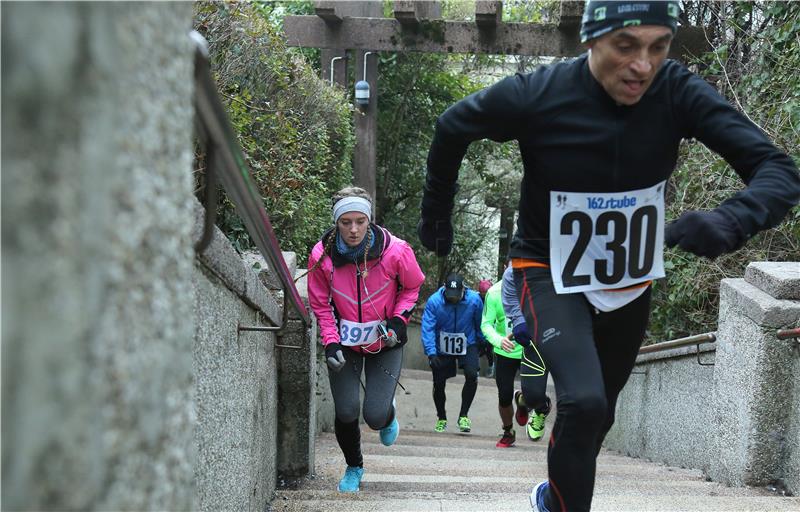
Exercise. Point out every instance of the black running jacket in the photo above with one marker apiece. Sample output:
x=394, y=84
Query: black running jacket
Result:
x=573, y=137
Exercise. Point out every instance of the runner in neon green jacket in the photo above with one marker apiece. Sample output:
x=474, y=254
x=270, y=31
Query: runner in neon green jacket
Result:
x=498, y=331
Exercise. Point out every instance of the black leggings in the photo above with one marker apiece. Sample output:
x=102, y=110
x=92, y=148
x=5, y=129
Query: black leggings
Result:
x=467, y=392
x=534, y=388
x=590, y=355
x=378, y=396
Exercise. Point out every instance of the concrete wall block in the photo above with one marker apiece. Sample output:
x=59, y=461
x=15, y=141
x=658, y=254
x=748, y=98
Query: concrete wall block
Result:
x=791, y=463
x=781, y=280
x=758, y=305
x=296, y=408
x=236, y=431
x=734, y=388
x=236, y=271
x=259, y=298
x=269, y=278
x=751, y=419
x=325, y=410
x=221, y=259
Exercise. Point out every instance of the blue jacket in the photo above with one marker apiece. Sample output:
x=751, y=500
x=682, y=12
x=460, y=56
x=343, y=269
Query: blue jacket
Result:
x=440, y=315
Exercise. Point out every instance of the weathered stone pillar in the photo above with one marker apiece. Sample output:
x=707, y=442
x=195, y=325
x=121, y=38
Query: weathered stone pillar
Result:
x=297, y=381
x=756, y=425
x=98, y=323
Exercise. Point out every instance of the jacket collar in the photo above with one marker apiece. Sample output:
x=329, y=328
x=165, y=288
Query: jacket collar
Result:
x=382, y=240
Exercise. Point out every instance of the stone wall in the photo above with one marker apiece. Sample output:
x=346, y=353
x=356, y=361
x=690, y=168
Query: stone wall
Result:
x=97, y=383
x=236, y=380
x=756, y=434
x=738, y=420
x=664, y=411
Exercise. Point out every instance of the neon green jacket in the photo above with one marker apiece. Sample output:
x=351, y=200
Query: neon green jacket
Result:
x=494, y=325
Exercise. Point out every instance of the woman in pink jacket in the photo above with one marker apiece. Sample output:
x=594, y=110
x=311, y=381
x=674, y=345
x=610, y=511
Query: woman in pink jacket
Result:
x=362, y=286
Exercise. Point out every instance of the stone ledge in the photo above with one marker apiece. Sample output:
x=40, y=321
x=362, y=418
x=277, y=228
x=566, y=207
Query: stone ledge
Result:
x=688, y=350
x=779, y=279
x=268, y=276
x=223, y=261
x=759, y=306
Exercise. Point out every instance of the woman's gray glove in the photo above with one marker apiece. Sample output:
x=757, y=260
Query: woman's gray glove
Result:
x=334, y=356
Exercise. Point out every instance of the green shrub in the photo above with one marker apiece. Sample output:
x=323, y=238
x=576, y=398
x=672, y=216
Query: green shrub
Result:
x=295, y=130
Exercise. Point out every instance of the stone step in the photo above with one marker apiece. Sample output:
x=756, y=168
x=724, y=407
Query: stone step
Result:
x=425, y=471
x=419, y=502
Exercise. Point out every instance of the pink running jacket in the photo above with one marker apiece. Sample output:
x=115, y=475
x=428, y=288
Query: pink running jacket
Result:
x=337, y=290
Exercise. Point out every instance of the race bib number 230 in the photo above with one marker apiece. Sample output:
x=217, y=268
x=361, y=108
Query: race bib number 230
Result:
x=606, y=240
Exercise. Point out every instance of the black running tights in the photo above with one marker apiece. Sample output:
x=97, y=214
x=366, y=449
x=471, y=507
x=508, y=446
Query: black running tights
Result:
x=590, y=355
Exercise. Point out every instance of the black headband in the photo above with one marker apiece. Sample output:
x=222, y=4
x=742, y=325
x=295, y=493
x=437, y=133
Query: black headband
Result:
x=603, y=17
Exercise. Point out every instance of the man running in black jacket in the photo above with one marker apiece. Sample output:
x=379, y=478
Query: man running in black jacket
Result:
x=599, y=137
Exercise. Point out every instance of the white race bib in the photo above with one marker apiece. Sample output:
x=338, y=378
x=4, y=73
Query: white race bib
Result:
x=357, y=333
x=606, y=240
x=452, y=343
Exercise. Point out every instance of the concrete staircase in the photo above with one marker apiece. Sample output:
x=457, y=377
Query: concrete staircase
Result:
x=426, y=471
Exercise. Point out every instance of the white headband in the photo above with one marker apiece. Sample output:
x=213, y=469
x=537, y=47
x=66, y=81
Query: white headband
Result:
x=352, y=204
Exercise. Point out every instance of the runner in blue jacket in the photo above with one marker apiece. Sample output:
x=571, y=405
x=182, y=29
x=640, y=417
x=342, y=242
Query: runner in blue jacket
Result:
x=451, y=333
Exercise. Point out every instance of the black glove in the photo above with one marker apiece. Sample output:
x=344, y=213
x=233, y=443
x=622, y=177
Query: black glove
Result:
x=436, y=235
x=521, y=334
x=435, y=362
x=706, y=234
x=334, y=356
x=397, y=325
x=435, y=230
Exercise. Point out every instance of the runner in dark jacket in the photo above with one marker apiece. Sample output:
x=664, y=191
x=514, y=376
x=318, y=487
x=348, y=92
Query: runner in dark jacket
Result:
x=599, y=137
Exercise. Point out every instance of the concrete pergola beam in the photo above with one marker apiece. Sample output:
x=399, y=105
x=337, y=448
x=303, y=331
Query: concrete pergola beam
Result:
x=327, y=11
x=570, y=13
x=437, y=36
x=411, y=12
x=488, y=13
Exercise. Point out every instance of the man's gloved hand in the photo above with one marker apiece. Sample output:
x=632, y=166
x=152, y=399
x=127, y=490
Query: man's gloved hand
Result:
x=435, y=362
x=334, y=356
x=435, y=230
x=708, y=234
x=521, y=334
x=436, y=235
x=397, y=330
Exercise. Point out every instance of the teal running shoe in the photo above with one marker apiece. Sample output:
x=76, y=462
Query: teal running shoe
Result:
x=389, y=434
x=351, y=479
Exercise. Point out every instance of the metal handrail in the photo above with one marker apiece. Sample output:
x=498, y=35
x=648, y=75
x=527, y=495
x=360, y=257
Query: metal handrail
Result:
x=680, y=342
x=235, y=175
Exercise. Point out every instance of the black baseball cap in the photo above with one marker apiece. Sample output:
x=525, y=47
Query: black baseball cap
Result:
x=453, y=286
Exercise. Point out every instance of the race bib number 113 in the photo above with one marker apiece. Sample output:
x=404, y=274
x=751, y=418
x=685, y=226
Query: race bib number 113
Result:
x=602, y=241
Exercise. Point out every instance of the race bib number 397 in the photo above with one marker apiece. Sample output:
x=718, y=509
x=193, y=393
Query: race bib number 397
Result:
x=601, y=241
x=355, y=333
